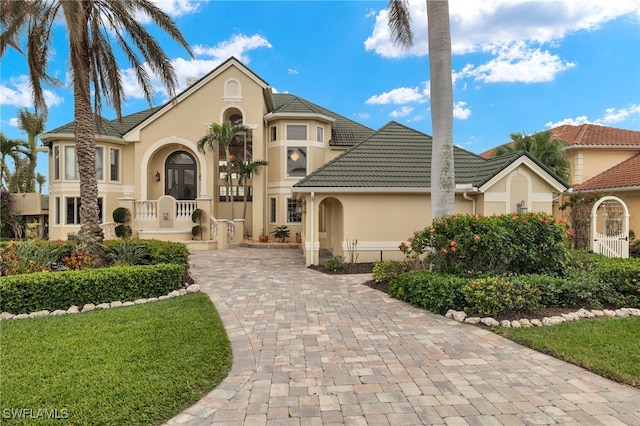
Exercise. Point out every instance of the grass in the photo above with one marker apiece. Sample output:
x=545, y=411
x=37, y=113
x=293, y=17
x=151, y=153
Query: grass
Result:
x=138, y=365
x=609, y=347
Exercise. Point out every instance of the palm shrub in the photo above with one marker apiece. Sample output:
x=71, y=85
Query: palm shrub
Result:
x=128, y=252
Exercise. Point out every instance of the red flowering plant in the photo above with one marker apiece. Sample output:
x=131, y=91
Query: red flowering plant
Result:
x=474, y=245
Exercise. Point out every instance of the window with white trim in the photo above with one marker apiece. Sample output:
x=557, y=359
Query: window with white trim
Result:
x=296, y=132
x=70, y=164
x=56, y=206
x=296, y=161
x=73, y=210
x=294, y=213
x=320, y=134
x=114, y=164
x=274, y=133
x=56, y=163
x=272, y=210
x=99, y=163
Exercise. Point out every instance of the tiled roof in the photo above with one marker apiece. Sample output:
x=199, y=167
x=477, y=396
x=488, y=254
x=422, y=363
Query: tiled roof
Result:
x=397, y=156
x=589, y=135
x=344, y=132
x=622, y=175
x=114, y=128
x=593, y=134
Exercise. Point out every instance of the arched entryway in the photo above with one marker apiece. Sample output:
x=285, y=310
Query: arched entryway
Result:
x=610, y=227
x=331, y=226
x=181, y=174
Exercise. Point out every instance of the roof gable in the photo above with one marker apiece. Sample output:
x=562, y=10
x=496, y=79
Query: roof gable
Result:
x=596, y=135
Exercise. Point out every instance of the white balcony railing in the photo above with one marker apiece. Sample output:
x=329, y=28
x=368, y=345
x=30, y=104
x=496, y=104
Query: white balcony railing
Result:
x=214, y=227
x=184, y=209
x=109, y=230
x=146, y=210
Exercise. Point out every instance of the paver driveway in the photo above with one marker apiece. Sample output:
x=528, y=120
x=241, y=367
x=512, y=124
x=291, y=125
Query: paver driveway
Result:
x=310, y=348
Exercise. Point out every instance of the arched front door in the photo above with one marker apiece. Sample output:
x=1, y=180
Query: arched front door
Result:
x=181, y=172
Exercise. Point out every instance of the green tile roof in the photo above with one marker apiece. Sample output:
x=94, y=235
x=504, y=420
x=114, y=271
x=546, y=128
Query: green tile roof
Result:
x=344, y=132
x=113, y=128
x=400, y=157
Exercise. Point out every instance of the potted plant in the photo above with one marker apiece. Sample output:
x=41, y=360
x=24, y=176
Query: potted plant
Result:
x=298, y=238
x=281, y=233
x=196, y=217
x=263, y=238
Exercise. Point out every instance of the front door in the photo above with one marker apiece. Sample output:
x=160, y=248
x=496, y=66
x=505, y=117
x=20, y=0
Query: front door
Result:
x=181, y=173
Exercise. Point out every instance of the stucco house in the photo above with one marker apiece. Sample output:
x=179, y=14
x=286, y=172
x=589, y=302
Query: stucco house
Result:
x=328, y=177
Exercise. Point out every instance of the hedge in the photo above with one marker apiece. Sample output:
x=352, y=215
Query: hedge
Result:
x=622, y=274
x=59, y=290
x=434, y=292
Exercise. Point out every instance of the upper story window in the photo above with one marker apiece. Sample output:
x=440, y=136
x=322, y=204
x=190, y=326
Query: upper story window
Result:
x=296, y=132
x=56, y=163
x=71, y=163
x=320, y=134
x=274, y=133
x=114, y=164
x=296, y=161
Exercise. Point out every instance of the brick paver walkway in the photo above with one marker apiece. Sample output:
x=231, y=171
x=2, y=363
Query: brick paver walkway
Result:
x=312, y=349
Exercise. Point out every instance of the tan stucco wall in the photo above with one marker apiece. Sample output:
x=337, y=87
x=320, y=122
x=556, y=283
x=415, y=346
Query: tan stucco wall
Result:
x=587, y=163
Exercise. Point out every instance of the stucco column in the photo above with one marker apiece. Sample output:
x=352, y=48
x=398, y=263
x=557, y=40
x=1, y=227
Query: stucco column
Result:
x=222, y=234
x=205, y=204
x=238, y=235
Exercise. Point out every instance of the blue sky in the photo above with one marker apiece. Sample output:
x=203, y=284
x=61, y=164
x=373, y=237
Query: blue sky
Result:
x=518, y=66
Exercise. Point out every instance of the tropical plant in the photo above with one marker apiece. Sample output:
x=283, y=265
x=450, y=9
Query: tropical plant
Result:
x=40, y=180
x=14, y=149
x=442, y=172
x=281, y=232
x=544, y=147
x=128, y=252
x=94, y=27
x=32, y=124
x=9, y=223
x=246, y=169
x=223, y=135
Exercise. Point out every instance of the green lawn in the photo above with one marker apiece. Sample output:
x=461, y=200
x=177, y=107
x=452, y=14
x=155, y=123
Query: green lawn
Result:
x=138, y=365
x=609, y=347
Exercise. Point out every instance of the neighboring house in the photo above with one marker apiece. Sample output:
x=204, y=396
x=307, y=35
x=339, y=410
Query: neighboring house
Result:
x=605, y=160
x=149, y=162
x=34, y=208
x=331, y=179
x=378, y=192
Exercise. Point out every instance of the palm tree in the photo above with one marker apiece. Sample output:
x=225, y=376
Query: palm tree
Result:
x=442, y=172
x=222, y=135
x=40, y=179
x=93, y=28
x=32, y=124
x=544, y=147
x=14, y=149
x=246, y=169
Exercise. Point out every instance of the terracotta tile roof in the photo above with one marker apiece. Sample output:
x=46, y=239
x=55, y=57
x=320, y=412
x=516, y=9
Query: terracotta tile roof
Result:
x=593, y=134
x=622, y=175
x=589, y=135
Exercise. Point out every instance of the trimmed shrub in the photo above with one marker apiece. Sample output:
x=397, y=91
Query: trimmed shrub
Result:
x=34, y=292
x=387, y=270
x=623, y=275
x=634, y=248
x=434, y=292
x=162, y=251
x=335, y=263
x=495, y=296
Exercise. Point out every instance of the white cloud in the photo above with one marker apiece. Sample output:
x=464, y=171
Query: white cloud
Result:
x=13, y=122
x=18, y=93
x=291, y=71
x=460, y=112
x=517, y=63
x=611, y=116
x=401, y=95
x=402, y=112
x=500, y=26
x=362, y=115
x=239, y=45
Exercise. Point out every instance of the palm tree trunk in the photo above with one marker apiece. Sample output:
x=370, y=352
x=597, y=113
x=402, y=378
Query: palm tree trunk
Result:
x=442, y=173
x=90, y=236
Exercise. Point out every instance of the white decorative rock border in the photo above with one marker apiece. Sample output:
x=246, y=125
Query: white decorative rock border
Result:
x=461, y=316
x=193, y=288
